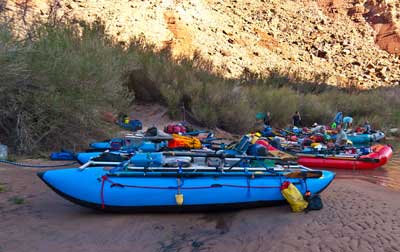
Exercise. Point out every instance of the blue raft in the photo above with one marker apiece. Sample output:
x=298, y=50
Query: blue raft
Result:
x=100, y=145
x=364, y=138
x=179, y=189
x=145, y=146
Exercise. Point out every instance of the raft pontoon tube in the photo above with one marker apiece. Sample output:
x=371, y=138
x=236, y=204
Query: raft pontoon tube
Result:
x=171, y=189
x=379, y=156
x=365, y=138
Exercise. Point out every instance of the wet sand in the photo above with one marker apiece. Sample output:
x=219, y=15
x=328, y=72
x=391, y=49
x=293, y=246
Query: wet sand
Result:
x=358, y=216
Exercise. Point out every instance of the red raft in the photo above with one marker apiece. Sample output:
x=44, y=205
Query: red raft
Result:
x=379, y=156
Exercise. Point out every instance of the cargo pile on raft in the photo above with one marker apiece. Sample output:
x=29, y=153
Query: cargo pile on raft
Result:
x=182, y=169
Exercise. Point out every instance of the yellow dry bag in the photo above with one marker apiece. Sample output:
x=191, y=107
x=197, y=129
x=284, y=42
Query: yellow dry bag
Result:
x=293, y=197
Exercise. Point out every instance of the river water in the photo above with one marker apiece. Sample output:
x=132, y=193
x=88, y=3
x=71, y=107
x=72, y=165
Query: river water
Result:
x=388, y=175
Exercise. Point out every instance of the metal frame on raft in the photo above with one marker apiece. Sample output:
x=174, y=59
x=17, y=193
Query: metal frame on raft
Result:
x=197, y=167
x=221, y=167
x=206, y=155
x=290, y=171
x=294, y=172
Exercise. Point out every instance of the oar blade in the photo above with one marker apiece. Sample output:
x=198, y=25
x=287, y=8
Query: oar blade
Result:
x=304, y=174
x=282, y=155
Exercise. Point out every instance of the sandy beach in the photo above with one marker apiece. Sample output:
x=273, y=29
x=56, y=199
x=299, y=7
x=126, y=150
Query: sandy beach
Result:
x=358, y=216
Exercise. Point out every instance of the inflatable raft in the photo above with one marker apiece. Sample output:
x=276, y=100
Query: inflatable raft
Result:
x=378, y=156
x=130, y=141
x=194, y=188
x=84, y=157
x=104, y=145
x=365, y=138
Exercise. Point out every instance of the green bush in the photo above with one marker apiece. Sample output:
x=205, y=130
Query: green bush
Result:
x=233, y=103
x=54, y=85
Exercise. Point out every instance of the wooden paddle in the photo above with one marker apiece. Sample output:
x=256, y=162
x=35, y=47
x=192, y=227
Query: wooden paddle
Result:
x=282, y=155
x=304, y=174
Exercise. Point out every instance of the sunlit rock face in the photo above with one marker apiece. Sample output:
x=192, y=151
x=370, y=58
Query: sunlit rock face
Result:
x=340, y=42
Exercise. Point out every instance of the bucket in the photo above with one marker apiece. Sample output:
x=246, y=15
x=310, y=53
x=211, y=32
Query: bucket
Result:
x=3, y=152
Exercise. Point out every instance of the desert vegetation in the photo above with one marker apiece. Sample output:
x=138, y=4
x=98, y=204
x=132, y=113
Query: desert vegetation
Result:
x=232, y=104
x=54, y=84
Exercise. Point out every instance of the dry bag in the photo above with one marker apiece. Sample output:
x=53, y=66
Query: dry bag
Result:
x=293, y=197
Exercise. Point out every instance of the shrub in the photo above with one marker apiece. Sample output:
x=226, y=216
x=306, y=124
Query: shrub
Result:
x=53, y=85
x=232, y=104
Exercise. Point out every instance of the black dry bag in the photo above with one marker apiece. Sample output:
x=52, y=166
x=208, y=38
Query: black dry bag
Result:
x=314, y=202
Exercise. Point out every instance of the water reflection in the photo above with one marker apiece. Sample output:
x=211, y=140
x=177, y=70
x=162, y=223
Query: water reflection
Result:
x=388, y=175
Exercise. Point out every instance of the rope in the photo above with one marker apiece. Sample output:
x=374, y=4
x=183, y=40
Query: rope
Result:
x=105, y=178
x=35, y=166
x=102, y=192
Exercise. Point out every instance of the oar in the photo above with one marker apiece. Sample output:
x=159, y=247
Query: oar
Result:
x=371, y=160
x=221, y=155
x=282, y=155
x=332, y=156
x=304, y=174
x=327, y=156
